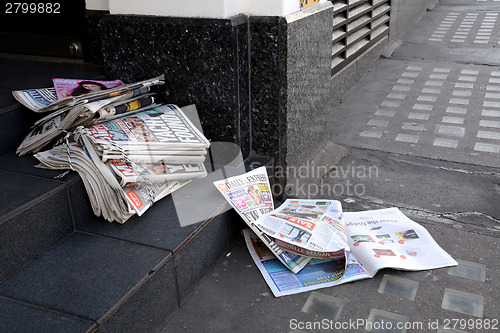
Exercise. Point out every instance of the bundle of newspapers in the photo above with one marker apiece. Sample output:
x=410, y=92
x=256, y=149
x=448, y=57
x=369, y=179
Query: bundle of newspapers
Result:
x=129, y=151
x=87, y=103
x=130, y=162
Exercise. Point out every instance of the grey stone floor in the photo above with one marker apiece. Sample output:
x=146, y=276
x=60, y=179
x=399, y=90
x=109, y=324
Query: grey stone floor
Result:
x=428, y=119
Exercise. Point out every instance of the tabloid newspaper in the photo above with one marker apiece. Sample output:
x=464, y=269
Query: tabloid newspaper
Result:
x=129, y=174
x=162, y=127
x=151, y=133
x=45, y=99
x=78, y=87
x=65, y=117
x=107, y=197
x=312, y=228
x=384, y=238
x=250, y=195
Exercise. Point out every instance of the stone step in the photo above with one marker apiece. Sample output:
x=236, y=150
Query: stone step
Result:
x=65, y=269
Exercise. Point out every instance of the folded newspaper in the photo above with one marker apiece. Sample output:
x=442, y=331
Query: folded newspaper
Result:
x=46, y=99
x=250, y=195
x=118, y=189
x=346, y=246
x=312, y=228
x=82, y=110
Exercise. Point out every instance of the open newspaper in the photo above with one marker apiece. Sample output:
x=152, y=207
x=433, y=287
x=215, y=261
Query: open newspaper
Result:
x=378, y=239
x=312, y=228
x=250, y=195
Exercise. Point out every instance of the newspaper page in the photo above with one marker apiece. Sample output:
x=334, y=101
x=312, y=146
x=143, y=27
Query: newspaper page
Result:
x=378, y=239
x=318, y=273
x=250, y=195
x=161, y=128
x=36, y=99
x=310, y=227
x=77, y=87
x=386, y=238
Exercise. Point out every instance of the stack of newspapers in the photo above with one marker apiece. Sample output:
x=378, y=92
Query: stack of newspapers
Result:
x=66, y=113
x=129, y=151
x=130, y=162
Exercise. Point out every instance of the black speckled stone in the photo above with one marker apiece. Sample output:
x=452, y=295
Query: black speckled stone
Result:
x=268, y=56
x=91, y=43
x=33, y=231
x=27, y=318
x=84, y=275
x=149, y=307
x=205, y=62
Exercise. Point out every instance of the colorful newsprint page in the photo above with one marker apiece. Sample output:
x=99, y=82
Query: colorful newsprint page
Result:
x=161, y=128
x=250, y=195
x=318, y=273
x=386, y=238
x=77, y=87
x=309, y=227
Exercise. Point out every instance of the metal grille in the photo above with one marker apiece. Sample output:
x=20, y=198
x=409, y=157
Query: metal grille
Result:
x=357, y=25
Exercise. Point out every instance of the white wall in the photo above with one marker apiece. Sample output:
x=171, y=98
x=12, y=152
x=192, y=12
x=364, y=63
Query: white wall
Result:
x=198, y=8
x=97, y=4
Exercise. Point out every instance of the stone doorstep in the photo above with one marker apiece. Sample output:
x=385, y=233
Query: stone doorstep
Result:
x=151, y=264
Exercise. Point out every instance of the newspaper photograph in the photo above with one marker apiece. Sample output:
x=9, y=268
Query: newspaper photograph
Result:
x=45, y=99
x=77, y=87
x=163, y=127
x=309, y=227
x=250, y=195
x=386, y=238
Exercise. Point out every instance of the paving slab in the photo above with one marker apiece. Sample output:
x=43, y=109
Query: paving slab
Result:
x=26, y=318
x=461, y=31
x=85, y=276
x=236, y=298
x=444, y=110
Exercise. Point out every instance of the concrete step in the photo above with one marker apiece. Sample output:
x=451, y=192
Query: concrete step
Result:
x=62, y=269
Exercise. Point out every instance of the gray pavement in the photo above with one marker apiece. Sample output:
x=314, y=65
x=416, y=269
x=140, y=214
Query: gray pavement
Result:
x=426, y=121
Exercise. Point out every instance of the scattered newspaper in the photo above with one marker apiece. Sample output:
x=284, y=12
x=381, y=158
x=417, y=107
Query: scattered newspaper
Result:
x=378, y=239
x=312, y=228
x=386, y=238
x=318, y=273
x=250, y=195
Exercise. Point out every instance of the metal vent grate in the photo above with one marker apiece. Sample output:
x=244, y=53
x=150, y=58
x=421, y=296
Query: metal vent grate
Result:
x=357, y=25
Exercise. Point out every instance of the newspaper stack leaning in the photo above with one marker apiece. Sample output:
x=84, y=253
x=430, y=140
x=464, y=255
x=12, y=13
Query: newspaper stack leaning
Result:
x=69, y=112
x=131, y=162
